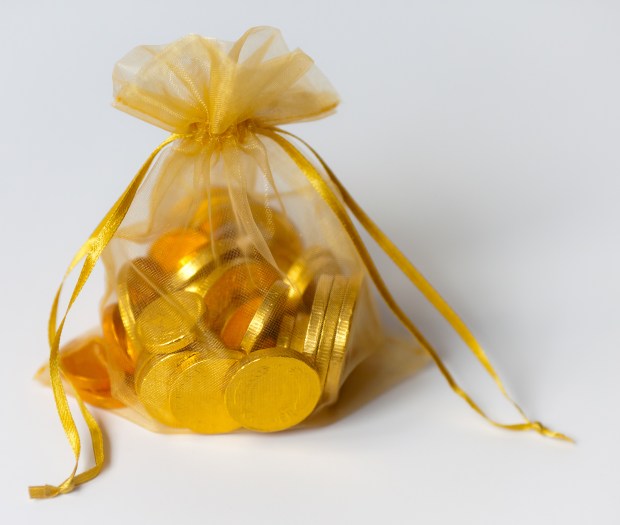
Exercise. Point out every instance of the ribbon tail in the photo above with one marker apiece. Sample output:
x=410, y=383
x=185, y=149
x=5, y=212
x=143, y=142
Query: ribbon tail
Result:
x=89, y=252
x=408, y=269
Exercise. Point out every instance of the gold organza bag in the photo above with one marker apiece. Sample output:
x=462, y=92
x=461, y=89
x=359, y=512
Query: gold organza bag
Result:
x=238, y=289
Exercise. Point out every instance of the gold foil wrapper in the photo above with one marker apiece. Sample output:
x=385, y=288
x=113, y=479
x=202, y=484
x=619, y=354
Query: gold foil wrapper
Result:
x=211, y=337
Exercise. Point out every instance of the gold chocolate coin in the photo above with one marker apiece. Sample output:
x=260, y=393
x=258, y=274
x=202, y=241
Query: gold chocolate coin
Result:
x=300, y=330
x=217, y=218
x=305, y=271
x=341, y=340
x=283, y=257
x=202, y=262
x=297, y=270
x=273, y=389
x=83, y=363
x=238, y=322
x=173, y=249
x=139, y=282
x=277, y=229
x=170, y=322
x=101, y=399
x=266, y=317
x=237, y=280
x=330, y=324
x=121, y=353
x=153, y=384
x=317, y=316
x=197, y=393
x=214, y=212
x=285, y=334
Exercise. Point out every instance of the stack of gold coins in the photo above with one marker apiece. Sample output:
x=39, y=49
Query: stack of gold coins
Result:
x=216, y=338
x=273, y=389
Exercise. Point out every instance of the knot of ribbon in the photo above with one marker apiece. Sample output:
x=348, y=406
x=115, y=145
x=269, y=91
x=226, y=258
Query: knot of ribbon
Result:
x=199, y=132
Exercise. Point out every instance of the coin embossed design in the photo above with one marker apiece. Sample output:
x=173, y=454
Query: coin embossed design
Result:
x=170, y=322
x=273, y=389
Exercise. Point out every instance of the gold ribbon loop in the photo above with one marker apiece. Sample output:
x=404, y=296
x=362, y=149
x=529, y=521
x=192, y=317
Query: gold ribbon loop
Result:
x=90, y=253
x=409, y=270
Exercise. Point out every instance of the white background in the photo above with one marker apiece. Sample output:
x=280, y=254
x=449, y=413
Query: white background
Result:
x=483, y=137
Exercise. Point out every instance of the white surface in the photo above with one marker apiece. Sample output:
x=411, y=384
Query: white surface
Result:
x=483, y=136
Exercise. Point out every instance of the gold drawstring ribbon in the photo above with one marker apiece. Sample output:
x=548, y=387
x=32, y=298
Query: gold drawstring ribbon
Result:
x=91, y=251
x=409, y=271
x=101, y=236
